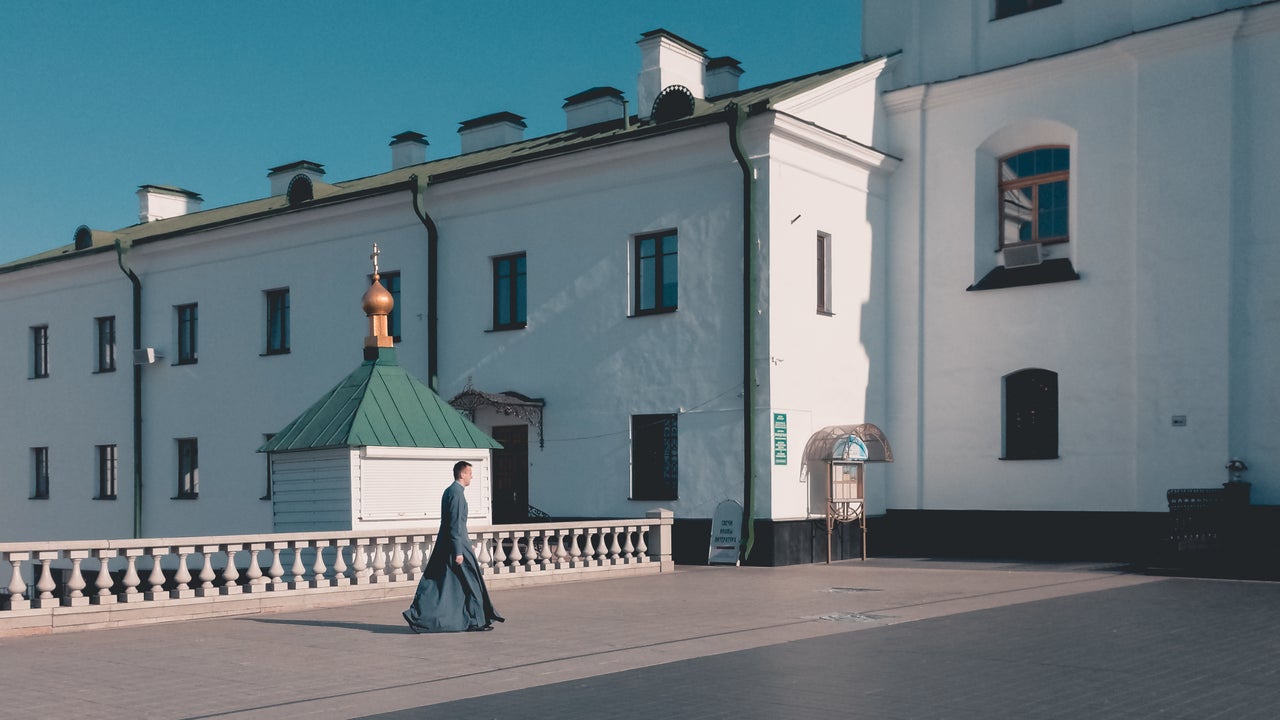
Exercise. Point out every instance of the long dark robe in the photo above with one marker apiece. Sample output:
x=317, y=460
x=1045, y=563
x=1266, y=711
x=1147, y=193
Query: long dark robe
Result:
x=451, y=597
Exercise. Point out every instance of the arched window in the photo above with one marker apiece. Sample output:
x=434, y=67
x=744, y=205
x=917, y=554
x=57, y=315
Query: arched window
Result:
x=1031, y=415
x=1033, y=196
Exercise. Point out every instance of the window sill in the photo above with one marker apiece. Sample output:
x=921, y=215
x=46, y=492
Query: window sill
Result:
x=1049, y=271
x=827, y=313
x=104, y=371
x=106, y=497
x=38, y=497
x=1021, y=459
x=646, y=313
x=185, y=497
x=271, y=353
x=38, y=377
x=504, y=328
x=185, y=362
x=265, y=497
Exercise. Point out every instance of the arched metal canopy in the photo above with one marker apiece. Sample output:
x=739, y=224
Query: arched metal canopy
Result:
x=506, y=403
x=846, y=442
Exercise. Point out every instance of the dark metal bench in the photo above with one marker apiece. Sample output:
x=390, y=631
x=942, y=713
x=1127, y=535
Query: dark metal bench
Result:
x=1196, y=517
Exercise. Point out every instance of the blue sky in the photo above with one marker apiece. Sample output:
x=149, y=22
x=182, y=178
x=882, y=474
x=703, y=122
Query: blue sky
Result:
x=97, y=98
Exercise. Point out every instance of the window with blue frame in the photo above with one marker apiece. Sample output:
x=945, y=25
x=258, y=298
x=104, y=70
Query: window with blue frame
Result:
x=657, y=278
x=509, y=289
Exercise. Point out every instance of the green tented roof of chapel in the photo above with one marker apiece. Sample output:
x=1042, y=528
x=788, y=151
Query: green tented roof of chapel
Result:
x=380, y=405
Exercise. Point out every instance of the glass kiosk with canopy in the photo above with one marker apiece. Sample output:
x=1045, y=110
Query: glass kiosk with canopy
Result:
x=845, y=450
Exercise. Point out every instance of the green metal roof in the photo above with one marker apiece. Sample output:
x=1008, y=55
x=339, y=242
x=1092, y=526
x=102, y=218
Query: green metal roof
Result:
x=380, y=405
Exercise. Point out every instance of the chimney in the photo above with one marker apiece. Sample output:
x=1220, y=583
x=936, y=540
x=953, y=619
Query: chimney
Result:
x=282, y=175
x=667, y=59
x=408, y=148
x=597, y=105
x=490, y=131
x=722, y=76
x=157, y=202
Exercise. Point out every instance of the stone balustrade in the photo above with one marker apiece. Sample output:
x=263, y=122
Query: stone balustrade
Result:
x=79, y=584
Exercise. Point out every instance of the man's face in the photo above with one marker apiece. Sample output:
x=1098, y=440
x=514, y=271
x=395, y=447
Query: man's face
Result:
x=464, y=477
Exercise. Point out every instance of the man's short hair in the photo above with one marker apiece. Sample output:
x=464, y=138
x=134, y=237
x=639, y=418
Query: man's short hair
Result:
x=457, y=468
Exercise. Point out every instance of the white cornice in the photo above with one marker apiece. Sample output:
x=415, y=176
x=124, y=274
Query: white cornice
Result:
x=1171, y=38
x=861, y=76
x=817, y=138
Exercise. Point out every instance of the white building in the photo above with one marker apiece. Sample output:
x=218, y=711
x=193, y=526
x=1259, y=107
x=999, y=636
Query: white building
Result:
x=660, y=309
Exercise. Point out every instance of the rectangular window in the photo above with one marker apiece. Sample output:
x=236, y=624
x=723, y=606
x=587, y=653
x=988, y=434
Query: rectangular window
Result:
x=654, y=457
x=106, y=472
x=1009, y=8
x=188, y=469
x=656, y=273
x=1033, y=196
x=277, y=321
x=40, y=351
x=824, y=273
x=106, y=336
x=187, y=333
x=509, y=292
x=40, y=473
x=391, y=281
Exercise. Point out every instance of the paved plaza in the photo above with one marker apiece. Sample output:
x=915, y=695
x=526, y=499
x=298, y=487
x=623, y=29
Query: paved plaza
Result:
x=888, y=638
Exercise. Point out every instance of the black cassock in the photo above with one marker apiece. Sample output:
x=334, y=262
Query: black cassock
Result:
x=451, y=597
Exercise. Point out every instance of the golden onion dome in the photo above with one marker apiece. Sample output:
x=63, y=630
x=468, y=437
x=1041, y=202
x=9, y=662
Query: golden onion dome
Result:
x=376, y=300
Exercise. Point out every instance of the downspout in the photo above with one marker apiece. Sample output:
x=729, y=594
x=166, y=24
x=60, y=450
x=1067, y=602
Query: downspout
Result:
x=433, y=245
x=121, y=249
x=735, y=116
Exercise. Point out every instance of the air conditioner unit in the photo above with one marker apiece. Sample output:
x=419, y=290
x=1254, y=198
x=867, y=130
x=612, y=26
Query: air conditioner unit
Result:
x=1025, y=255
x=146, y=356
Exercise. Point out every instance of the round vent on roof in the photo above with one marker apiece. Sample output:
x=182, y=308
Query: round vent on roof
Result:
x=673, y=103
x=84, y=237
x=300, y=189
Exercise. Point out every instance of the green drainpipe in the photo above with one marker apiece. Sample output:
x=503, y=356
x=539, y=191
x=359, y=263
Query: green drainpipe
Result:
x=121, y=249
x=735, y=116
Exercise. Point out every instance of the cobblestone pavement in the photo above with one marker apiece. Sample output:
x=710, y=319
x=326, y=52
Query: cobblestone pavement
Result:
x=886, y=638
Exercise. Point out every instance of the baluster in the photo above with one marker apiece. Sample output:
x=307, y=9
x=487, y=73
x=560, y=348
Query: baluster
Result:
x=182, y=579
x=76, y=583
x=297, y=570
x=574, y=553
x=156, y=578
x=18, y=586
x=613, y=545
x=628, y=549
x=318, y=568
x=103, y=581
x=562, y=539
x=397, y=560
x=379, y=560
x=514, y=558
x=46, y=585
x=544, y=558
x=276, y=571
x=131, y=579
x=254, y=572
x=415, y=558
x=484, y=557
x=360, y=570
x=340, y=570
x=602, y=551
x=642, y=550
x=206, y=572
x=531, y=551
x=499, y=554
x=230, y=574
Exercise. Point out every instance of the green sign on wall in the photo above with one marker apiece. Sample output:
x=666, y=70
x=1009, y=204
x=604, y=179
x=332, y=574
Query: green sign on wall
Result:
x=779, y=438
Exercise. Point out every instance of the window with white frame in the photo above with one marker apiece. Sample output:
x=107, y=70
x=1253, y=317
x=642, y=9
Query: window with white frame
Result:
x=188, y=469
x=105, y=336
x=107, y=472
x=39, y=473
x=824, y=273
x=277, y=321
x=40, y=351
x=188, y=333
x=656, y=270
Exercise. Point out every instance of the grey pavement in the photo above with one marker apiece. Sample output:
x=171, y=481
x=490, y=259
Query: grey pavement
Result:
x=888, y=638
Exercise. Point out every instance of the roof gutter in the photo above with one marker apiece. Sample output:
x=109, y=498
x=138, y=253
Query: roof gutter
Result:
x=735, y=115
x=121, y=249
x=433, y=251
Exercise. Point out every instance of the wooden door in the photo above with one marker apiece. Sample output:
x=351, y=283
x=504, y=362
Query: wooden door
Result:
x=511, y=474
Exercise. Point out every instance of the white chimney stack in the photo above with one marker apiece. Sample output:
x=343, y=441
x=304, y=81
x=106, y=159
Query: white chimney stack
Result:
x=722, y=76
x=490, y=131
x=282, y=175
x=597, y=105
x=157, y=202
x=667, y=59
x=408, y=148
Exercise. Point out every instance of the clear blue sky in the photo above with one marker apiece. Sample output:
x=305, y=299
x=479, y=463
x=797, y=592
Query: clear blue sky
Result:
x=97, y=98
